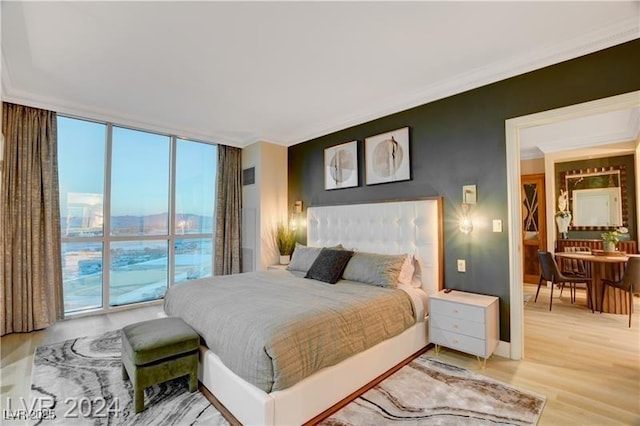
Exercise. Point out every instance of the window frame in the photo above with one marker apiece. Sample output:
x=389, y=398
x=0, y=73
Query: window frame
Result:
x=106, y=239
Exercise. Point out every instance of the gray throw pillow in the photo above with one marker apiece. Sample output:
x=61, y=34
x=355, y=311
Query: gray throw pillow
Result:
x=377, y=269
x=303, y=257
x=329, y=265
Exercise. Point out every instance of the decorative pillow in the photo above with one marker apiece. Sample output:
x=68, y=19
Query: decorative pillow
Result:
x=329, y=265
x=416, y=280
x=406, y=271
x=377, y=269
x=303, y=257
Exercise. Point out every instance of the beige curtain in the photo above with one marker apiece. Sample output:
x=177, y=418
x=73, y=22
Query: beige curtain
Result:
x=30, y=265
x=228, y=211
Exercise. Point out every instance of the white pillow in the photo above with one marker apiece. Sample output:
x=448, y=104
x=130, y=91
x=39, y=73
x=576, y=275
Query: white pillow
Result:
x=410, y=273
x=407, y=270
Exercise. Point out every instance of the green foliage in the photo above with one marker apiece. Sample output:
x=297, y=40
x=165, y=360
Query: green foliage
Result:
x=614, y=236
x=611, y=236
x=285, y=239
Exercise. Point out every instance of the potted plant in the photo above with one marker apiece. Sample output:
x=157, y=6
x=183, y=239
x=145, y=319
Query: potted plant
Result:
x=286, y=241
x=611, y=238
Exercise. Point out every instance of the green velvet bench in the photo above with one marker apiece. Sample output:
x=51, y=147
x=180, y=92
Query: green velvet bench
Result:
x=156, y=351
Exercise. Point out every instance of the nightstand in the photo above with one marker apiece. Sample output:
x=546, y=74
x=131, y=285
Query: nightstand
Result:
x=466, y=322
x=276, y=267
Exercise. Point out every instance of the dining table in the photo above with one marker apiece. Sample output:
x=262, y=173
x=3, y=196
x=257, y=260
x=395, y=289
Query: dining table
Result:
x=602, y=265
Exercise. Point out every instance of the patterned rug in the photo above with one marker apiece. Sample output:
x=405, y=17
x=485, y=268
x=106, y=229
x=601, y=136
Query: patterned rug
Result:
x=83, y=379
x=429, y=392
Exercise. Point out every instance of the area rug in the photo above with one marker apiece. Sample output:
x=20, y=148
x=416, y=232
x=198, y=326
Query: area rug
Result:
x=82, y=380
x=429, y=392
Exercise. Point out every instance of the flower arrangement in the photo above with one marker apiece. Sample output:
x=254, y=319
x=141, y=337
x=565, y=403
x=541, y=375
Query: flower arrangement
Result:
x=614, y=236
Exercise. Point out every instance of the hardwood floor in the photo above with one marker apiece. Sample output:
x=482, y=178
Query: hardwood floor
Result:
x=587, y=365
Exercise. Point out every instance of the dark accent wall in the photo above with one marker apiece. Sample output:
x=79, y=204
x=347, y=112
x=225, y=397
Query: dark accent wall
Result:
x=630, y=192
x=461, y=140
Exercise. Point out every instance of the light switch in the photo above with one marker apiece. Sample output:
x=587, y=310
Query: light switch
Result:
x=497, y=225
x=462, y=265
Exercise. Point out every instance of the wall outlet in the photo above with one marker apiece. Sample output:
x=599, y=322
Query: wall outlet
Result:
x=462, y=265
x=497, y=225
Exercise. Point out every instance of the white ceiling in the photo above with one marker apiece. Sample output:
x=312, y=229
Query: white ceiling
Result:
x=236, y=73
x=594, y=130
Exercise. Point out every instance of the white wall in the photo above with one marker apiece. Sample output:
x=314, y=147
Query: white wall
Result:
x=264, y=203
x=532, y=166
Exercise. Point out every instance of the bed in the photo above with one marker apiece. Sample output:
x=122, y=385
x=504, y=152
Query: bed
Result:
x=403, y=227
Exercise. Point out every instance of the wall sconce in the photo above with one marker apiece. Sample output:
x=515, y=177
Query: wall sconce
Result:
x=469, y=196
x=466, y=225
x=296, y=221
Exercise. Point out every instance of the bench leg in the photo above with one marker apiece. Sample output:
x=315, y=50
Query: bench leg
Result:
x=193, y=382
x=138, y=396
x=125, y=375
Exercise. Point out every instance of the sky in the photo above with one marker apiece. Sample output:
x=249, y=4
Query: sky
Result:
x=140, y=169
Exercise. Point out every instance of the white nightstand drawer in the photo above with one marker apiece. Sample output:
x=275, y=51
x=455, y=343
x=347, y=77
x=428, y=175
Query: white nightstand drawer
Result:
x=457, y=310
x=459, y=325
x=457, y=341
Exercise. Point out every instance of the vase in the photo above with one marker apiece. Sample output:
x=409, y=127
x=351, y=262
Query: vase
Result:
x=285, y=259
x=563, y=224
x=609, y=246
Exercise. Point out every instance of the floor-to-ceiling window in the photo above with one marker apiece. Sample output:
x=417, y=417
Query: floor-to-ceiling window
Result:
x=137, y=213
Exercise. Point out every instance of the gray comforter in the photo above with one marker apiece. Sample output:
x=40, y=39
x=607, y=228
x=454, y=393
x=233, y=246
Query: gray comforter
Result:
x=273, y=328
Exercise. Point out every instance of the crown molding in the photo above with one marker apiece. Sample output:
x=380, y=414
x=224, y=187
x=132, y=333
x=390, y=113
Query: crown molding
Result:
x=612, y=35
x=618, y=33
x=98, y=114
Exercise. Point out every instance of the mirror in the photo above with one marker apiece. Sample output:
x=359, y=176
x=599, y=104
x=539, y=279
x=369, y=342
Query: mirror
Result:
x=597, y=198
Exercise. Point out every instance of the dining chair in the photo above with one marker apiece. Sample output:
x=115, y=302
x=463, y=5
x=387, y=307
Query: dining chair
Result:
x=630, y=283
x=574, y=268
x=549, y=271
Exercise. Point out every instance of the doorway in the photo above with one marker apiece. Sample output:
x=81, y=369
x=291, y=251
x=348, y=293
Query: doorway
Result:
x=513, y=127
x=534, y=225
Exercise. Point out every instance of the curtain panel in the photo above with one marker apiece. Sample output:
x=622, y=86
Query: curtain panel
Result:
x=30, y=265
x=228, y=211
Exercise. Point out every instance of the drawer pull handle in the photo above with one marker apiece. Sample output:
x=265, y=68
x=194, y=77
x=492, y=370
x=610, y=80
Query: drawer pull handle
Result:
x=455, y=311
x=455, y=341
x=455, y=325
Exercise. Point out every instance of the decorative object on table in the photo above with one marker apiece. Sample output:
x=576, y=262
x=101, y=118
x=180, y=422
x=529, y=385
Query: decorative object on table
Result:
x=563, y=219
x=611, y=238
x=341, y=166
x=387, y=157
x=427, y=391
x=87, y=371
x=286, y=242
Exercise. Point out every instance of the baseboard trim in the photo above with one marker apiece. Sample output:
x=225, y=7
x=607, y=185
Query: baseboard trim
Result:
x=503, y=349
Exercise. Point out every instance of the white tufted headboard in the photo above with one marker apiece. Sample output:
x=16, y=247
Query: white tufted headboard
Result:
x=413, y=227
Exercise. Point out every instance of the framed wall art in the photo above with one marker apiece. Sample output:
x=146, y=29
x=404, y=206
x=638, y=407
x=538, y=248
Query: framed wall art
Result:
x=387, y=157
x=341, y=166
